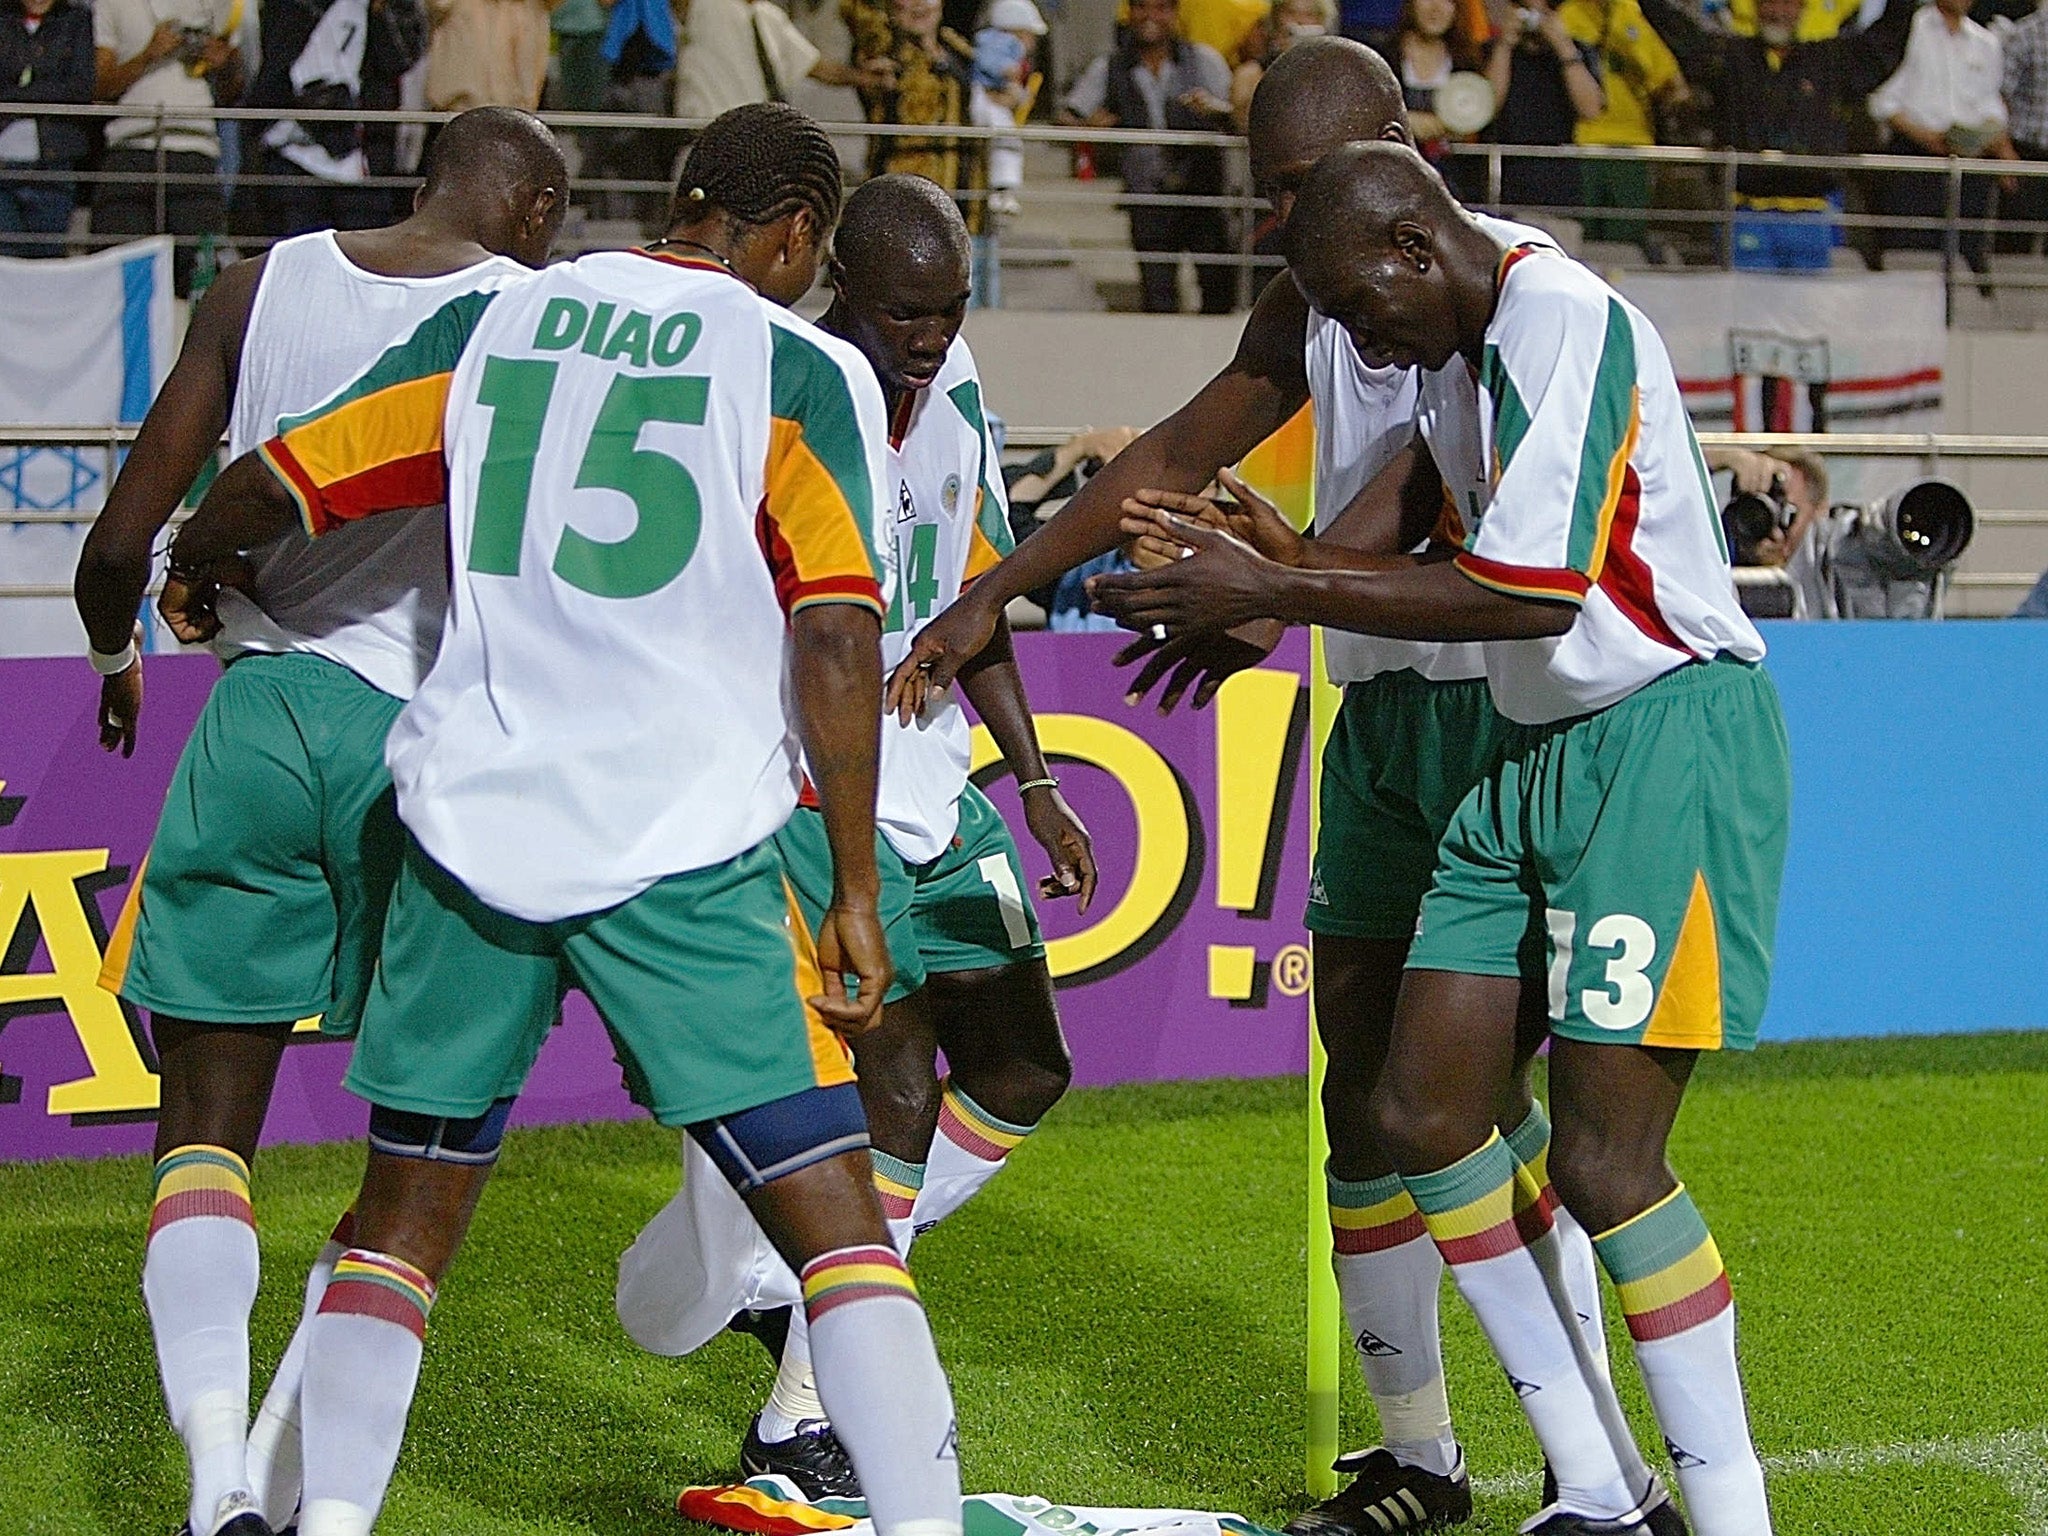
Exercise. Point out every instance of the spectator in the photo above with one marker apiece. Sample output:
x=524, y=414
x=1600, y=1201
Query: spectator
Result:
x=581, y=74
x=1437, y=39
x=927, y=74
x=1547, y=82
x=638, y=52
x=1773, y=91
x=45, y=57
x=1280, y=29
x=1639, y=77
x=487, y=53
x=1005, y=60
x=333, y=55
x=1224, y=25
x=737, y=52
x=2025, y=87
x=1943, y=100
x=1155, y=79
x=1800, y=476
x=170, y=54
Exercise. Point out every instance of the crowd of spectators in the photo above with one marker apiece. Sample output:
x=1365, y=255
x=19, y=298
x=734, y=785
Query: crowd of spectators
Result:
x=1924, y=78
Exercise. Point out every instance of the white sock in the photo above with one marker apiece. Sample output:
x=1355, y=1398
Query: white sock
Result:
x=1681, y=1316
x=967, y=1152
x=362, y=1366
x=885, y=1390
x=898, y=1185
x=1508, y=1269
x=794, y=1400
x=275, y=1465
x=199, y=1277
x=1388, y=1275
x=1530, y=1143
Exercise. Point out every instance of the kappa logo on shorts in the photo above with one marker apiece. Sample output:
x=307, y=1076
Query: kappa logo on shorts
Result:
x=906, y=506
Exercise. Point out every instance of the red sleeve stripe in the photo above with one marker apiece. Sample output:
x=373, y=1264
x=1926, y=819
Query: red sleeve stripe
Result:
x=864, y=591
x=284, y=464
x=1549, y=585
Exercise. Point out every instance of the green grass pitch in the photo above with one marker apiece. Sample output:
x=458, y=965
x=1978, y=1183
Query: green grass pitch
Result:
x=1122, y=1313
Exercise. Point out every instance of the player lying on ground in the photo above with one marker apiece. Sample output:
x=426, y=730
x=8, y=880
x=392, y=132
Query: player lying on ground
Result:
x=663, y=495
x=970, y=966
x=1417, y=730
x=1634, y=828
x=264, y=892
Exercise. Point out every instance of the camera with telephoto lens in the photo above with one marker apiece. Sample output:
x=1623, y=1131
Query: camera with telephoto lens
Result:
x=1889, y=559
x=1750, y=519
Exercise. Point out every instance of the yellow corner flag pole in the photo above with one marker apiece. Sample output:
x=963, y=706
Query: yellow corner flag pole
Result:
x=1326, y=1331
x=1283, y=468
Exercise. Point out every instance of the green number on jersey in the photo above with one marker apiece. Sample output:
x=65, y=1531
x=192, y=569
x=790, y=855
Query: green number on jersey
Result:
x=668, y=510
x=922, y=579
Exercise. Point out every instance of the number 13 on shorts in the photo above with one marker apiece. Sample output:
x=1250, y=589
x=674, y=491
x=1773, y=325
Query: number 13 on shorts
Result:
x=1614, y=978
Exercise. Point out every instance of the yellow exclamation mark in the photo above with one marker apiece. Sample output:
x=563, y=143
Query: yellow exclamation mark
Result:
x=1259, y=722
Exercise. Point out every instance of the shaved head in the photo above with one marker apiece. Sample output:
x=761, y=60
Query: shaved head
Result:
x=901, y=269
x=1377, y=243
x=495, y=151
x=1322, y=92
x=896, y=221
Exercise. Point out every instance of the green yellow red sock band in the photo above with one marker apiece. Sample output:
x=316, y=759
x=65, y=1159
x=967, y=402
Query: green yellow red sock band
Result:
x=1470, y=1207
x=1665, y=1268
x=897, y=1183
x=200, y=1181
x=367, y=1284
x=1372, y=1215
x=973, y=1129
x=845, y=1275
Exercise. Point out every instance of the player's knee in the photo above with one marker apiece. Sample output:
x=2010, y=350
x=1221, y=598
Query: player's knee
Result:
x=1605, y=1179
x=899, y=1094
x=755, y=1147
x=1413, y=1129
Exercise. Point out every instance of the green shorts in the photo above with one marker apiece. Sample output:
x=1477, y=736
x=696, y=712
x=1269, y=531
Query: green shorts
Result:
x=701, y=980
x=1634, y=855
x=1403, y=754
x=264, y=893
x=966, y=910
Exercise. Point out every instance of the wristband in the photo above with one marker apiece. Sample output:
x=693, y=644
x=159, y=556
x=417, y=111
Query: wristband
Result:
x=112, y=663
x=1044, y=783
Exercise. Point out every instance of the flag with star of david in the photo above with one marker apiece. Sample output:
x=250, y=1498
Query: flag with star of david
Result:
x=85, y=343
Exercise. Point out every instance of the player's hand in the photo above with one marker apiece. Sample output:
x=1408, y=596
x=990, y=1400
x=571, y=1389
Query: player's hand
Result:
x=940, y=650
x=850, y=941
x=121, y=705
x=190, y=599
x=1224, y=583
x=1249, y=516
x=1208, y=660
x=1060, y=833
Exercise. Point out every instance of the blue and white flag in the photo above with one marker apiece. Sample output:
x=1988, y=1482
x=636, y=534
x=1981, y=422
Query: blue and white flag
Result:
x=86, y=342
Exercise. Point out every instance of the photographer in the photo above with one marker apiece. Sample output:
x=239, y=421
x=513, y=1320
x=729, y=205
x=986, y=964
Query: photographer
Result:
x=1794, y=485
x=177, y=57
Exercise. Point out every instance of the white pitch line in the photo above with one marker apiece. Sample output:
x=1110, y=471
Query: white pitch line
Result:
x=2018, y=1458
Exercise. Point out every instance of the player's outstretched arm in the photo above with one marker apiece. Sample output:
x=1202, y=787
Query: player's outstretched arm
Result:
x=995, y=688
x=836, y=677
x=1250, y=400
x=1226, y=582
x=183, y=427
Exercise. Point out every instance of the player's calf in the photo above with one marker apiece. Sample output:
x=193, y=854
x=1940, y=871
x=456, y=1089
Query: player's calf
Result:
x=363, y=1346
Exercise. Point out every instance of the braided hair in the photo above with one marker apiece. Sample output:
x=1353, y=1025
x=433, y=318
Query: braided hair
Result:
x=760, y=163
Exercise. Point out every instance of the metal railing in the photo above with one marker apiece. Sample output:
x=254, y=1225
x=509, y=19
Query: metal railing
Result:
x=1719, y=170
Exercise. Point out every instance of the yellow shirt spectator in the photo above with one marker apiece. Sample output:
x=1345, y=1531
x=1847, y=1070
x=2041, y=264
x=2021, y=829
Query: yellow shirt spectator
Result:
x=1635, y=67
x=1818, y=19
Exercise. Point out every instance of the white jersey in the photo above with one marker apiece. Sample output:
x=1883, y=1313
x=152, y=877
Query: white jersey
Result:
x=1364, y=416
x=950, y=522
x=1575, y=447
x=648, y=469
x=372, y=598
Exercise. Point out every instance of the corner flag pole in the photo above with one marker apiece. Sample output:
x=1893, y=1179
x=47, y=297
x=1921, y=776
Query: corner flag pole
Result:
x=1326, y=1331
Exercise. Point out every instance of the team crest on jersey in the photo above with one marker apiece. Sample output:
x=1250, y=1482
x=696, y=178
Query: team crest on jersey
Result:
x=906, y=508
x=949, y=495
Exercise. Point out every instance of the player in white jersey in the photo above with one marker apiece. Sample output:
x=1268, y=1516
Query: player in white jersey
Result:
x=1416, y=730
x=664, y=497
x=1631, y=839
x=264, y=891
x=971, y=977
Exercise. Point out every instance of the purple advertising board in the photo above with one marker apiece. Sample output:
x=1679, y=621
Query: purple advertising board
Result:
x=1192, y=962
